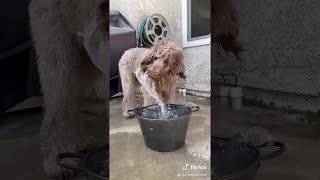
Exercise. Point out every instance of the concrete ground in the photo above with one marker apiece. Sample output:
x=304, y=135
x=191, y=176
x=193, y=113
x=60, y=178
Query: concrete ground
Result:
x=20, y=150
x=300, y=161
x=131, y=159
x=20, y=154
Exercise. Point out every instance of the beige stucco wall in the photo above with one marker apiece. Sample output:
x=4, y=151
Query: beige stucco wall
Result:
x=197, y=59
x=282, y=38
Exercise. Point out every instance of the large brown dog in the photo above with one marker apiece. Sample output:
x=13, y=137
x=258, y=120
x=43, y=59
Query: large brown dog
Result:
x=67, y=35
x=163, y=62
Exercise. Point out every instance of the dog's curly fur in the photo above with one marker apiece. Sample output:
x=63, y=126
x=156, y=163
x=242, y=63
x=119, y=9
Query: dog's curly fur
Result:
x=225, y=26
x=163, y=62
x=67, y=74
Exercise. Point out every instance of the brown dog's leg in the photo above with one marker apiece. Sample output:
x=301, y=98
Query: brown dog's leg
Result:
x=61, y=66
x=94, y=110
x=59, y=129
x=129, y=89
x=147, y=99
x=62, y=91
x=169, y=96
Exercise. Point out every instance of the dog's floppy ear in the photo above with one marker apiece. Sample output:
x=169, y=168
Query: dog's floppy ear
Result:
x=225, y=26
x=147, y=60
x=178, y=65
x=95, y=38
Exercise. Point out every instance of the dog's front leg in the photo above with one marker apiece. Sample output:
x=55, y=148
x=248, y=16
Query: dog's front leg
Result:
x=147, y=99
x=59, y=129
x=169, y=96
x=94, y=110
x=128, y=83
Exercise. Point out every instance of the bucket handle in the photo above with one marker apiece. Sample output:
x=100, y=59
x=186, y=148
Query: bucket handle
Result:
x=274, y=154
x=131, y=113
x=195, y=108
x=67, y=165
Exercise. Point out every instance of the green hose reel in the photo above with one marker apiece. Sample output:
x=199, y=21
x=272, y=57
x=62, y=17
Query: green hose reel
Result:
x=153, y=29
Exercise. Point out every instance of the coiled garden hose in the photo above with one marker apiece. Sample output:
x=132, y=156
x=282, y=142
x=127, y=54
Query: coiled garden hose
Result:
x=142, y=36
x=153, y=29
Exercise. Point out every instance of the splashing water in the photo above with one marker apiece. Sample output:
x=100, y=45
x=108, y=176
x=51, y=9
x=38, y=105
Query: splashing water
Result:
x=150, y=87
x=254, y=136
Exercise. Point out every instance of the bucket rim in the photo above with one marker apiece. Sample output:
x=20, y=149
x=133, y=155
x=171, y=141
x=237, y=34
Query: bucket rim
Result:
x=169, y=119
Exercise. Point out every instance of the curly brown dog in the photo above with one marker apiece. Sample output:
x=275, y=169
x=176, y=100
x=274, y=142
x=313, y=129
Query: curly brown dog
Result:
x=162, y=62
x=64, y=33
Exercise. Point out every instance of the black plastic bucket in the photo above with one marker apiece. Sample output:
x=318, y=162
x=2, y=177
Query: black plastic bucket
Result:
x=233, y=160
x=164, y=135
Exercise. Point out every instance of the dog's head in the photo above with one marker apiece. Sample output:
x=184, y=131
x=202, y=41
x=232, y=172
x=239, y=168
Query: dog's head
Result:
x=164, y=58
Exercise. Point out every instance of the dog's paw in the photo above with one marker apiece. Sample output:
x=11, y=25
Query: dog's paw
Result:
x=53, y=170
x=66, y=175
x=128, y=116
